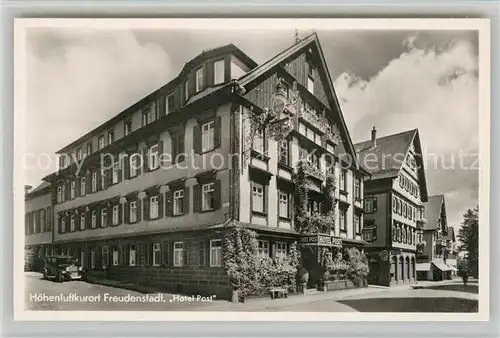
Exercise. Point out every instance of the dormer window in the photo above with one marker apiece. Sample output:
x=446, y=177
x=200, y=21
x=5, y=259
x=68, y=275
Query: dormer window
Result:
x=219, y=73
x=186, y=90
x=169, y=104
x=111, y=136
x=147, y=116
x=199, y=80
x=101, y=142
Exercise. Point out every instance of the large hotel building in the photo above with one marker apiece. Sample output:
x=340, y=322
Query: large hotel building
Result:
x=129, y=213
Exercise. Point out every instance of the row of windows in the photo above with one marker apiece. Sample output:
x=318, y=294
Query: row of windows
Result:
x=404, y=209
x=407, y=185
x=206, y=198
x=38, y=221
x=370, y=234
x=403, y=233
x=130, y=166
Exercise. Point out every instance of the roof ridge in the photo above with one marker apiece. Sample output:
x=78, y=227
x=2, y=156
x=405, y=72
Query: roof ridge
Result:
x=389, y=136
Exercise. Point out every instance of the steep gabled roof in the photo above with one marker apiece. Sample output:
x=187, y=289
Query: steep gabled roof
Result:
x=277, y=60
x=42, y=188
x=433, y=211
x=386, y=159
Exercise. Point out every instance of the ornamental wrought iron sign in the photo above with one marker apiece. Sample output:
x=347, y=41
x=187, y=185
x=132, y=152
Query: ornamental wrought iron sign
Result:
x=320, y=240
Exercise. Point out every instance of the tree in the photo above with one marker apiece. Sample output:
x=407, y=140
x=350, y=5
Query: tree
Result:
x=468, y=236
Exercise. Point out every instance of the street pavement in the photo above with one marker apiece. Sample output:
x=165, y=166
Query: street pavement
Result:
x=448, y=296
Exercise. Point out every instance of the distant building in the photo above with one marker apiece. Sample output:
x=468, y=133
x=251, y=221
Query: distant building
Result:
x=431, y=256
x=38, y=225
x=451, y=251
x=393, y=199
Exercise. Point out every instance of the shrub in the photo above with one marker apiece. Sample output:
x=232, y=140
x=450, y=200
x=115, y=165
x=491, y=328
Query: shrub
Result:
x=358, y=264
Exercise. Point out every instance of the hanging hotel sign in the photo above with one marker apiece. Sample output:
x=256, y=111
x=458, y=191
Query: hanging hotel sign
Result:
x=321, y=240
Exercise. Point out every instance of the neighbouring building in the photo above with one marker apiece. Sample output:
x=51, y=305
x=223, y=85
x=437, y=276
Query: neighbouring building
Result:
x=431, y=255
x=394, y=198
x=37, y=226
x=145, y=196
x=451, y=251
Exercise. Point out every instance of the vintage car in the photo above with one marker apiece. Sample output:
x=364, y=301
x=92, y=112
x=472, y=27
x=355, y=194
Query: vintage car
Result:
x=62, y=268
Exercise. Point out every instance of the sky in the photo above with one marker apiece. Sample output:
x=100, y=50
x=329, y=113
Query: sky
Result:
x=393, y=80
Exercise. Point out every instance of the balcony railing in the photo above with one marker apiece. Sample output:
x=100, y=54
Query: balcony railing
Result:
x=313, y=171
x=319, y=122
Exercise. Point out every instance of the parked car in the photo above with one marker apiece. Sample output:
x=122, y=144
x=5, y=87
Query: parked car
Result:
x=62, y=268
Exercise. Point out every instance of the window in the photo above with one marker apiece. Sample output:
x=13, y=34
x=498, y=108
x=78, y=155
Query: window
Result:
x=263, y=249
x=410, y=212
x=92, y=258
x=394, y=204
x=101, y=142
x=94, y=219
x=283, y=205
x=219, y=72
x=169, y=104
x=116, y=217
x=89, y=148
x=178, y=202
x=153, y=157
x=115, y=256
x=342, y=220
x=215, y=253
x=42, y=220
x=153, y=207
x=72, y=223
x=82, y=186
x=207, y=136
x=79, y=154
x=104, y=217
x=82, y=221
x=199, y=79
x=357, y=188
x=357, y=223
x=370, y=205
x=128, y=127
x=147, y=116
x=73, y=189
x=280, y=250
x=259, y=141
x=103, y=178
x=116, y=171
x=131, y=260
x=94, y=182
x=186, y=90
x=104, y=256
x=63, y=192
x=257, y=197
x=283, y=152
x=343, y=180
x=399, y=207
x=133, y=212
x=134, y=165
x=156, y=254
x=178, y=254
x=59, y=194
x=207, y=196
x=62, y=161
x=178, y=147
x=111, y=136
x=310, y=84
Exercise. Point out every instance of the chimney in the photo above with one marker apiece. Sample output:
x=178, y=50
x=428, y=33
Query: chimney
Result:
x=374, y=137
x=27, y=189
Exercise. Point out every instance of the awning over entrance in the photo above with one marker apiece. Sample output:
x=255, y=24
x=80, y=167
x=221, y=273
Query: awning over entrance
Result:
x=423, y=266
x=441, y=266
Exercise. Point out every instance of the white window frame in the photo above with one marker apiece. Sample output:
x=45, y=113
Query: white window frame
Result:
x=280, y=250
x=42, y=220
x=101, y=143
x=208, y=136
x=79, y=154
x=186, y=90
x=199, y=79
x=116, y=215
x=342, y=219
x=208, y=196
x=357, y=224
x=166, y=103
x=284, y=201
x=127, y=131
x=153, y=157
x=263, y=251
x=94, y=182
x=92, y=258
x=134, y=158
x=154, y=207
x=178, y=198
x=156, y=254
x=59, y=194
x=215, y=253
x=82, y=221
x=132, y=255
x=133, y=212
x=63, y=193
x=83, y=186
x=103, y=179
x=258, y=197
x=219, y=73
x=104, y=216
x=73, y=189
x=310, y=84
x=94, y=219
x=116, y=170
x=259, y=142
x=72, y=223
x=178, y=254
x=115, y=257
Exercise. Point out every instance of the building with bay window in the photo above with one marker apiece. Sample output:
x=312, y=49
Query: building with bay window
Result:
x=395, y=197
x=157, y=183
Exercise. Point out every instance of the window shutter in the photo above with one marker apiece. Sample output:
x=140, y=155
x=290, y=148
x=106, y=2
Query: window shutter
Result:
x=88, y=219
x=175, y=149
x=185, y=253
x=266, y=193
x=109, y=219
x=38, y=221
x=180, y=145
x=168, y=203
x=59, y=224
x=145, y=159
x=98, y=177
x=290, y=206
x=165, y=255
x=109, y=177
x=146, y=208
x=88, y=183
x=120, y=211
x=126, y=218
x=374, y=204
x=160, y=205
x=217, y=133
x=98, y=217
x=139, y=210
x=139, y=168
x=160, y=153
x=196, y=198
x=218, y=194
x=120, y=170
x=77, y=186
x=197, y=139
x=126, y=167
x=186, y=200
x=68, y=190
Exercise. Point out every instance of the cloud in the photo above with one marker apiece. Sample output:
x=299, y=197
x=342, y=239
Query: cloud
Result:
x=77, y=79
x=431, y=89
